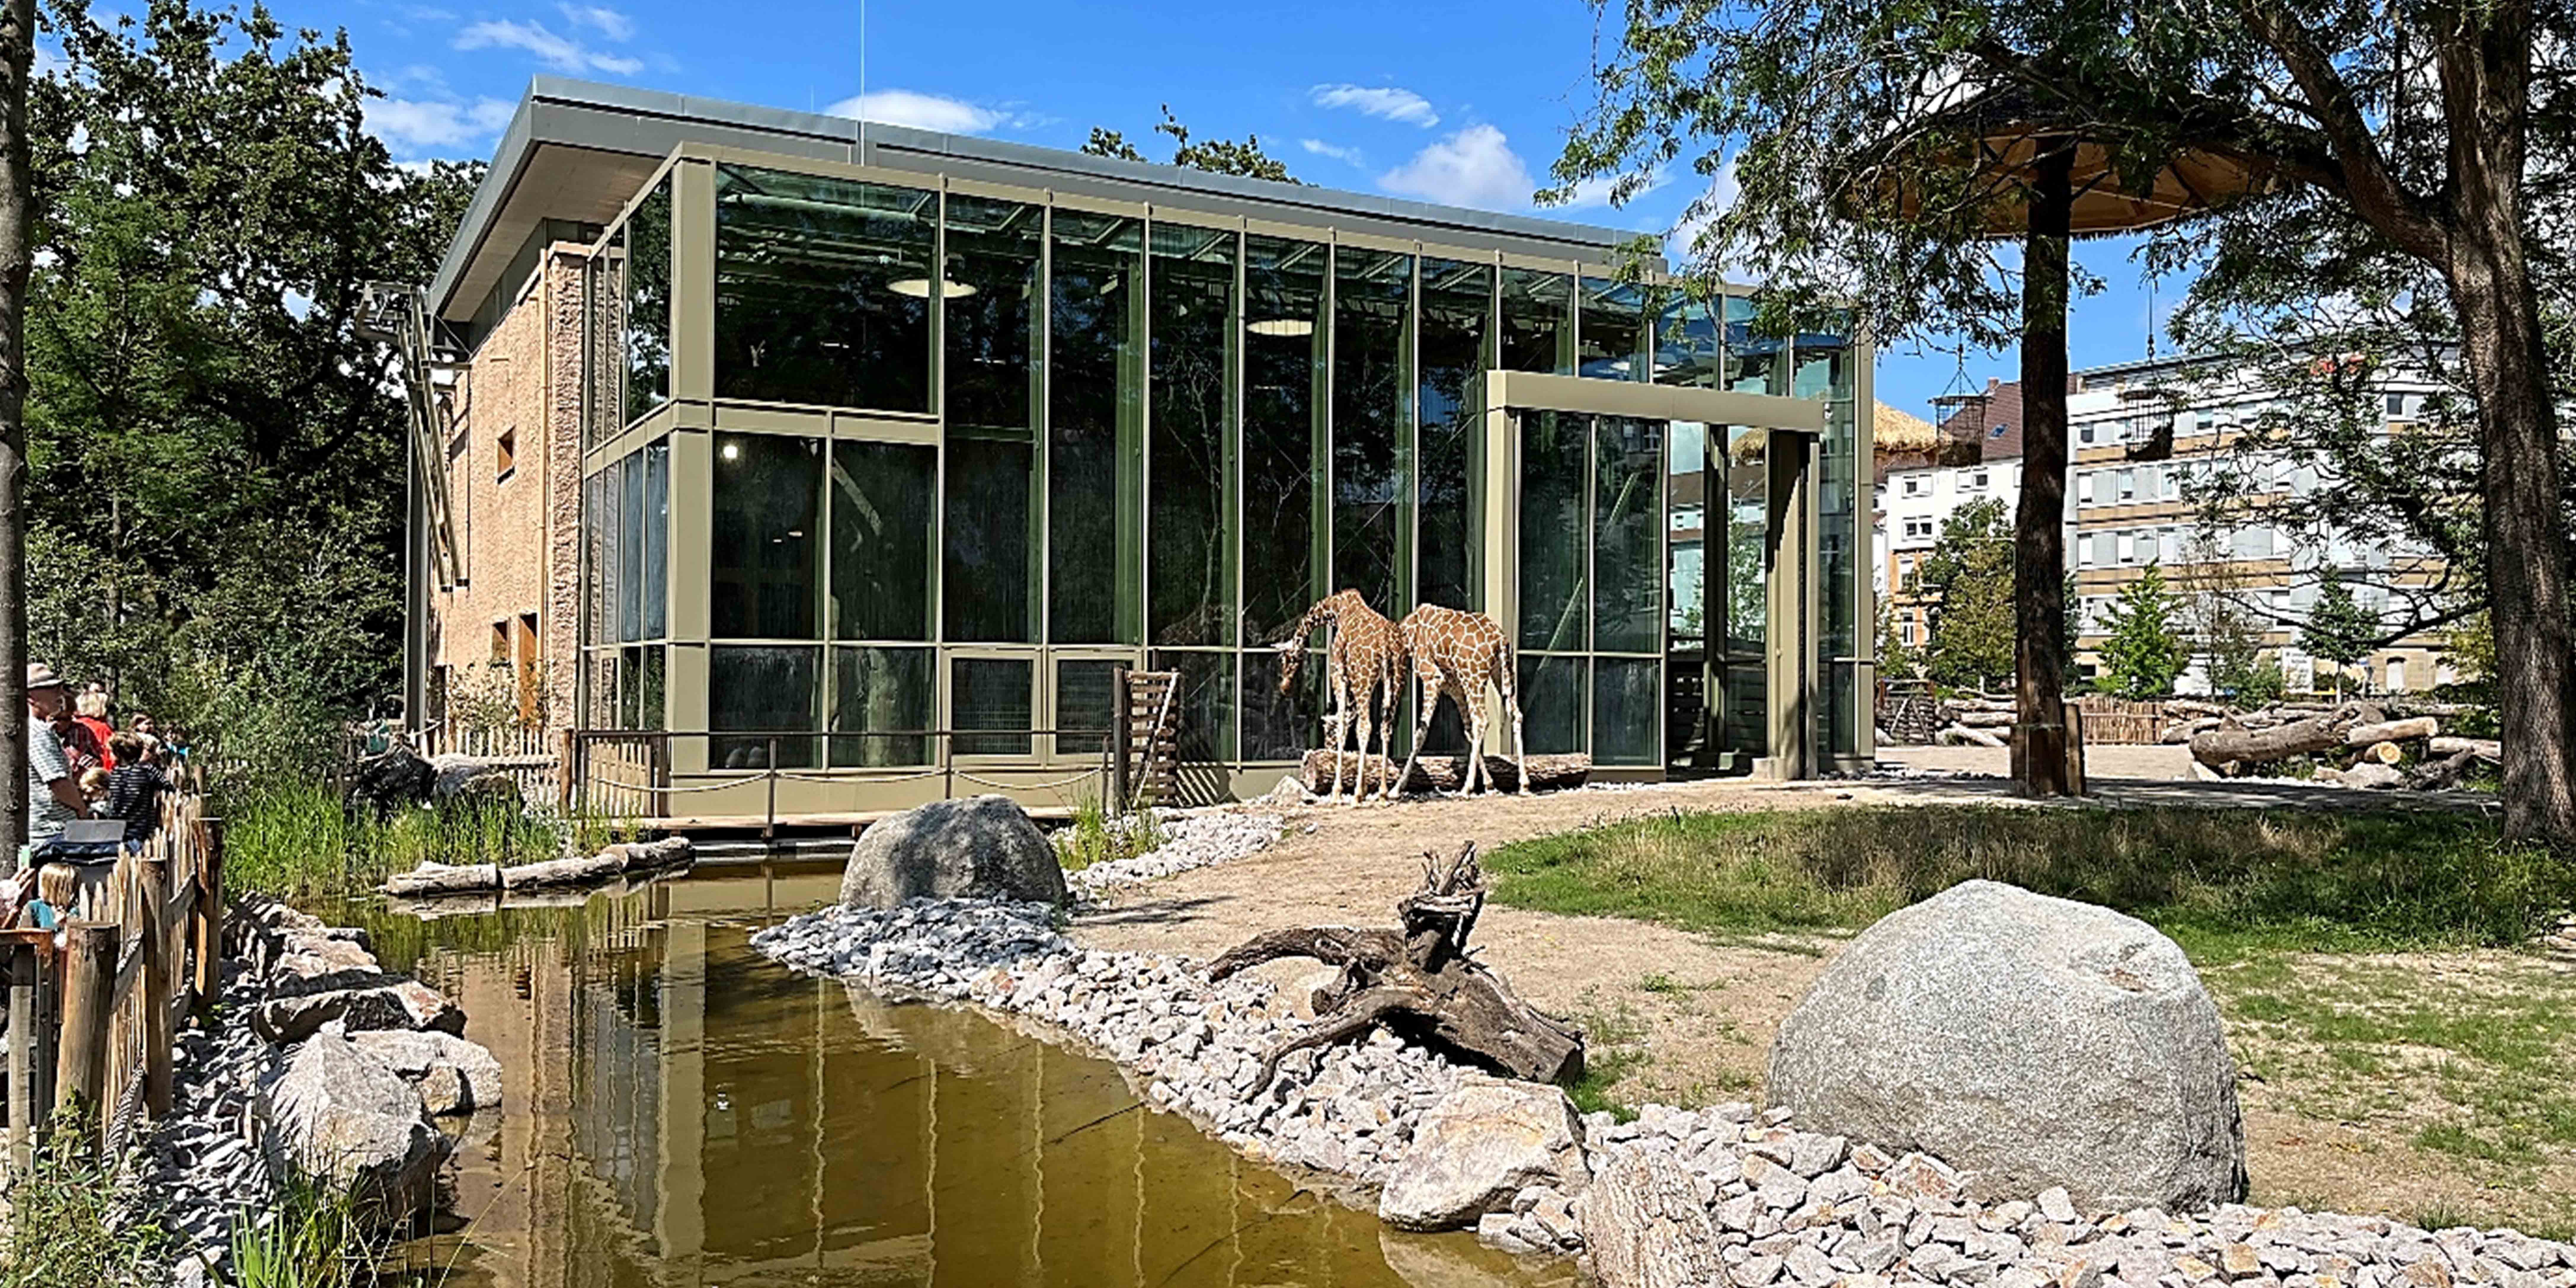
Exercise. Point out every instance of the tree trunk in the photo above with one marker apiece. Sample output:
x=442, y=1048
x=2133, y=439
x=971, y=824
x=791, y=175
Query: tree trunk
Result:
x=2039, y=546
x=17, y=226
x=2256, y=746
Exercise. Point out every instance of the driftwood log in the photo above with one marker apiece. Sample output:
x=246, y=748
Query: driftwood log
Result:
x=2487, y=749
x=630, y=858
x=1419, y=981
x=2280, y=742
x=2365, y=735
x=1443, y=773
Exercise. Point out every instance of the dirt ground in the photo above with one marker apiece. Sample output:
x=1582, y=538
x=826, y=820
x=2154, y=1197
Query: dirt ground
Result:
x=1687, y=1019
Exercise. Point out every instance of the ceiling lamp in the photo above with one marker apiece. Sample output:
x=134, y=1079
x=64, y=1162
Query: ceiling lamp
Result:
x=919, y=288
x=1286, y=328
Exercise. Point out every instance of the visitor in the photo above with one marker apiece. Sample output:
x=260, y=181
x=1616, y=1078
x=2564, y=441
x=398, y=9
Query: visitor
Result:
x=91, y=711
x=53, y=795
x=93, y=785
x=80, y=751
x=134, y=791
x=140, y=725
x=57, y=898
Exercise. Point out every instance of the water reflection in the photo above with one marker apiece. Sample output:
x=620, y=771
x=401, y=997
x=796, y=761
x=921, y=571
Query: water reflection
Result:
x=679, y=1111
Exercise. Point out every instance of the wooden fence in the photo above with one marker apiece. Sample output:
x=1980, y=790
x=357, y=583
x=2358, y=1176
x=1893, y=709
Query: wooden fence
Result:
x=2109, y=721
x=94, y=1019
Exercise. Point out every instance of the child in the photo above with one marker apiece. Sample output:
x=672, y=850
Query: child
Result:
x=93, y=785
x=134, y=790
x=57, y=893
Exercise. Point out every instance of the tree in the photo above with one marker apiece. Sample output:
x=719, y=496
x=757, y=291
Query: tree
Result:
x=1967, y=576
x=2145, y=652
x=17, y=259
x=214, y=527
x=2339, y=629
x=2425, y=147
x=1223, y=156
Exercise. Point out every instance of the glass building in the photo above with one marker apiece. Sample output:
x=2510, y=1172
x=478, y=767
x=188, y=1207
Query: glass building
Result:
x=883, y=451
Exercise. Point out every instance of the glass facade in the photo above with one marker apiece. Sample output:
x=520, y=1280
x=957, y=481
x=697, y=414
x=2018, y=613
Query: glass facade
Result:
x=1003, y=448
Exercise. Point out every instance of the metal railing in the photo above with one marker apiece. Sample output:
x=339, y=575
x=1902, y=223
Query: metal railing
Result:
x=629, y=773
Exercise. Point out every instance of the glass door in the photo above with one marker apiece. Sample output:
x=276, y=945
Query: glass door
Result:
x=1742, y=591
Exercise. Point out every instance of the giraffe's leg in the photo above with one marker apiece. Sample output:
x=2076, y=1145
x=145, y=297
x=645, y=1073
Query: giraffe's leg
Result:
x=1426, y=690
x=1368, y=724
x=1394, y=718
x=1509, y=684
x=1475, y=779
x=1341, y=722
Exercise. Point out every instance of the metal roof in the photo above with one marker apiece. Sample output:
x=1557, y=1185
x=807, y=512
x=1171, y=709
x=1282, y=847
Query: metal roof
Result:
x=577, y=150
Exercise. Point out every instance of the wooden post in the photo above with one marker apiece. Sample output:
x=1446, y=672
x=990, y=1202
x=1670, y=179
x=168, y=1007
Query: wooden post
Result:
x=209, y=921
x=563, y=777
x=22, y=1057
x=157, y=1035
x=2074, y=750
x=1122, y=734
x=89, y=1001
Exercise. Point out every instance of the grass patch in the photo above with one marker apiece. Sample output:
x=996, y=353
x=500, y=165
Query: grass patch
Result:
x=1614, y=1045
x=296, y=840
x=1095, y=837
x=71, y=1225
x=2223, y=882
x=308, y=1237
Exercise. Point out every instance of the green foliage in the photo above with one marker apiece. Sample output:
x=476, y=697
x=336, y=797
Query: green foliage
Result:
x=2144, y=653
x=308, y=1237
x=1095, y=837
x=73, y=1225
x=293, y=838
x=1968, y=578
x=210, y=524
x=2220, y=880
x=2339, y=629
x=1222, y=156
x=1897, y=660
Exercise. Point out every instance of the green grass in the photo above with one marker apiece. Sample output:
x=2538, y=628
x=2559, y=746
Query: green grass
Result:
x=1614, y=1043
x=2222, y=882
x=309, y=1237
x=1094, y=837
x=295, y=840
x=71, y=1225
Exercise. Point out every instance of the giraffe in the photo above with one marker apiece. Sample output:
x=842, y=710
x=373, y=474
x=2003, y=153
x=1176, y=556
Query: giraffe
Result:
x=1459, y=653
x=1363, y=668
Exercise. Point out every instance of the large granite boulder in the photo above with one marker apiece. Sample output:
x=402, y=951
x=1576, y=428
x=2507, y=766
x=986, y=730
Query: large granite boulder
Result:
x=341, y=1114
x=984, y=847
x=403, y=1005
x=2032, y=1042
x=1479, y=1146
x=453, y=1075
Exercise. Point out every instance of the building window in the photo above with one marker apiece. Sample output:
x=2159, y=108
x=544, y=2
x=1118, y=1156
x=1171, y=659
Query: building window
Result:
x=881, y=554
x=993, y=336
x=1284, y=426
x=824, y=290
x=1372, y=407
x=766, y=574
x=1451, y=353
x=1189, y=584
x=1538, y=321
x=760, y=697
x=1977, y=482
x=2127, y=483
x=1913, y=485
x=1095, y=394
x=500, y=643
x=2084, y=488
x=1612, y=331
x=647, y=247
x=505, y=454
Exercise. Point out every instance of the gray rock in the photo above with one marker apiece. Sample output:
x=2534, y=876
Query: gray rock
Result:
x=2031, y=1042
x=314, y=963
x=340, y=1113
x=984, y=847
x=453, y=1075
x=401, y=1005
x=1478, y=1147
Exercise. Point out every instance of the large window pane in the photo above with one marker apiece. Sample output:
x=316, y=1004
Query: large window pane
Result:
x=1626, y=696
x=1748, y=503
x=1755, y=364
x=1204, y=708
x=990, y=700
x=1686, y=523
x=763, y=691
x=1613, y=329
x=647, y=318
x=823, y=290
x=639, y=685
x=995, y=256
x=1372, y=412
x=1284, y=384
x=1086, y=699
x=877, y=692
x=630, y=548
x=1687, y=340
x=1551, y=696
x=1457, y=313
x=657, y=540
x=1552, y=527
x=1096, y=400
x=768, y=502
x=881, y=572
x=1190, y=586
x=1277, y=725
x=1538, y=321
x=1627, y=535
x=990, y=590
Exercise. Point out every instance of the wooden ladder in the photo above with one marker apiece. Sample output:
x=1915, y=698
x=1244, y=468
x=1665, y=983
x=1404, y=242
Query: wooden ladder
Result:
x=1145, y=745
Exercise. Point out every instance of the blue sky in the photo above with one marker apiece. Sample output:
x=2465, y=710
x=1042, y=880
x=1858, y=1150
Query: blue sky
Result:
x=1453, y=102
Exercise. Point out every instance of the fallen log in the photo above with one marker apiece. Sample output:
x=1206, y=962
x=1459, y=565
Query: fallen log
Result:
x=434, y=880
x=2446, y=773
x=2256, y=746
x=1419, y=981
x=1443, y=773
x=2490, y=750
x=2363, y=735
x=2384, y=753
x=1963, y=736
x=1986, y=719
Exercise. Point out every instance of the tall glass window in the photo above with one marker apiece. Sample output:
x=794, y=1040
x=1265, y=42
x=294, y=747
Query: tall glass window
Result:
x=1455, y=351
x=1538, y=321
x=648, y=302
x=1825, y=370
x=1627, y=535
x=1095, y=394
x=1190, y=584
x=990, y=702
x=767, y=538
x=630, y=548
x=1205, y=704
x=603, y=339
x=881, y=555
x=994, y=328
x=1372, y=425
x=1687, y=338
x=823, y=290
x=759, y=697
x=1613, y=330
x=1285, y=383
x=882, y=702
x=1755, y=363
x=1555, y=485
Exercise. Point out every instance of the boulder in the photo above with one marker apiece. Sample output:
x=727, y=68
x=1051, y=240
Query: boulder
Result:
x=319, y=963
x=403, y=1005
x=451, y=771
x=395, y=778
x=2031, y=1042
x=340, y=1114
x=984, y=847
x=1644, y=1226
x=1482, y=1144
x=453, y=1075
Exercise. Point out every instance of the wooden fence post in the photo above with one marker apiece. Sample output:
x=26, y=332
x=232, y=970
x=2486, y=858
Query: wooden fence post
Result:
x=1122, y=734
x=157, y=1035
x=89, y=1001
x=209, y=919
x=24, y=1026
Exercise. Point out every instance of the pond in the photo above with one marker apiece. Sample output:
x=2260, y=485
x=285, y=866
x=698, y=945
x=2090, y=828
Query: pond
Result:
x=678, y=1110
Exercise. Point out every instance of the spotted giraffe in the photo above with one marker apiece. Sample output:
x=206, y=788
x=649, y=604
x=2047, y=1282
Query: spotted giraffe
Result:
x=1363, y=676
x=1459, y=653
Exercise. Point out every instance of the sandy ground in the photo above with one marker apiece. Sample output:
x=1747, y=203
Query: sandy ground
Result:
x=1699, y=1015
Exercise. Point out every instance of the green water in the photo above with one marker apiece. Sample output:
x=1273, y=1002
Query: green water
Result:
x=681, y=1112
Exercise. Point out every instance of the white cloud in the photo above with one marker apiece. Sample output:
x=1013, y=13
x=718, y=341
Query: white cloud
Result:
x=921, y=111
x=1387, y=103
x=600, y=18
x=1322, y=149
x=409, y=125
x=559, y=52
x=1473, y=167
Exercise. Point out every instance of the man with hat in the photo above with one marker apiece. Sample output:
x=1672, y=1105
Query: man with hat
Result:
x=53, y=795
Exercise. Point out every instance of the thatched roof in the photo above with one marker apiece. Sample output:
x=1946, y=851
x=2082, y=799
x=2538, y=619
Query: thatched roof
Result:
x=1893, y=431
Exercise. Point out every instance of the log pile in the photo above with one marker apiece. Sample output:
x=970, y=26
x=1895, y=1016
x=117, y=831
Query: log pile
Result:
x=1443, y=773
x=633, y=858
x=1418, y=980
x=2358, y=744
